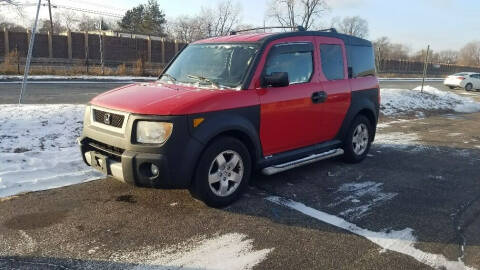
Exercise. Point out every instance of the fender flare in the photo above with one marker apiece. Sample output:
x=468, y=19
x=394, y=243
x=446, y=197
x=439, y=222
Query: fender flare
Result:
x=365, y=100
x=244, y=122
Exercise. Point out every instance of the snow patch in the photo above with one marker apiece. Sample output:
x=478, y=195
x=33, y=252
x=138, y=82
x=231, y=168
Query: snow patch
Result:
x=401, y=101
x=398, y=241
x=38, y=150
x=77, y=77
x=398, y=140
x=369, y=194
x=390, y=123
x=229, y=251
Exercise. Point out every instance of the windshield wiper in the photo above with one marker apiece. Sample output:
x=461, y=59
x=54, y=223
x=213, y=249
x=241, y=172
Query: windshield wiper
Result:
x=200, y=78
x=173, y=79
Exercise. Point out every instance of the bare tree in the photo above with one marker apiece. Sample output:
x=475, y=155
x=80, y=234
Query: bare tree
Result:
x=68, y=19
x=222, y=19
x=210, y=22
x=448, y=57
x=9, y=6
x=293, y=13
x=470, y=54
x=399, y=51
x=384, y=50
x=57, y=26
x=186, y=29
x=419, y=56
x=355, y=26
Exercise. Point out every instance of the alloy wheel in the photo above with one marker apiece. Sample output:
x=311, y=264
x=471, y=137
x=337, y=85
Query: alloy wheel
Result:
x=360, y=139
x=225, y=173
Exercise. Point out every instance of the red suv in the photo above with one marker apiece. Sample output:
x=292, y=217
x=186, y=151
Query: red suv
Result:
x=226, y=106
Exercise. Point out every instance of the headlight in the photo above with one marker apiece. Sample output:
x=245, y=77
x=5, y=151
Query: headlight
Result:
x=153, y=132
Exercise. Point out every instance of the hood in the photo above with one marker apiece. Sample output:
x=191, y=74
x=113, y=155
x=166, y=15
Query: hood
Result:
x=162, y=99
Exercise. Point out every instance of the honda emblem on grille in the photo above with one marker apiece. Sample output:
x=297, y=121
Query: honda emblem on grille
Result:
x=107, y=119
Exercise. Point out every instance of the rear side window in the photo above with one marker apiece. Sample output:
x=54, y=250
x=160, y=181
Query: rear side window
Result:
x=332, y=62
x=295, y=59
x=361, y=60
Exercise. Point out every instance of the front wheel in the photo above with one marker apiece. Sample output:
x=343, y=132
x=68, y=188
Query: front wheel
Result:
x=358, y=140
x=222, y=173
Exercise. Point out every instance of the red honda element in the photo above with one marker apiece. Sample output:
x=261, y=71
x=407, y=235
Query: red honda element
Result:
x=229, y=105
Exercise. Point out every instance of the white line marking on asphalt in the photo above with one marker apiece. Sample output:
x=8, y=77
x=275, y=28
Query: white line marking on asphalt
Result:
x=398, y=241
x=366, y=196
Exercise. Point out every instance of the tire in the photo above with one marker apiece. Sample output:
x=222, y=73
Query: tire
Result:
x=219, y=182
x=355, y=151
x=469, y=87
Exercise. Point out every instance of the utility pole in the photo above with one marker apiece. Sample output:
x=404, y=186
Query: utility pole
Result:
x=425, y=67
x=50, y=13
x=29, y=55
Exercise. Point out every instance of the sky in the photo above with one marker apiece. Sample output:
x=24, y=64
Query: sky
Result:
x=443, y=24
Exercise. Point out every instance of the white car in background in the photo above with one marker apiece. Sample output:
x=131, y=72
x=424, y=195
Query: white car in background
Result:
x=466, y=80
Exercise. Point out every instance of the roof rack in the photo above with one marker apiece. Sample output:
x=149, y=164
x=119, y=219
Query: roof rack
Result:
x=333, y=30
x=298, y=28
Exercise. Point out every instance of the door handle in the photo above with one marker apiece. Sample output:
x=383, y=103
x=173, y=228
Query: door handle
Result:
x=319, y=97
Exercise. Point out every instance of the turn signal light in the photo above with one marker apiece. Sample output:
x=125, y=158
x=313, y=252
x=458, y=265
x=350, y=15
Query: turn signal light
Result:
x=198, y=121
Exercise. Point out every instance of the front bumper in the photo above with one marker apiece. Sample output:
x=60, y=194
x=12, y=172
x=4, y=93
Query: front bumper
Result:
x=117, y=154
x=130, y=167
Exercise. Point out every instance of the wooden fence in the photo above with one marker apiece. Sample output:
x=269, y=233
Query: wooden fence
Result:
x=387, y=66
x=84, y=49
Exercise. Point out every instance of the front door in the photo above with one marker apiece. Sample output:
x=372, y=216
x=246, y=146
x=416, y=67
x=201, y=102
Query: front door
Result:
x=289, y=117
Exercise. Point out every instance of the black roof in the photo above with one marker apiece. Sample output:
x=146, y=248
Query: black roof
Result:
x=347, y=39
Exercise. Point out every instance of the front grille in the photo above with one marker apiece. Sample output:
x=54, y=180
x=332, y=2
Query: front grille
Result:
x=107, y=118
x=108, y=150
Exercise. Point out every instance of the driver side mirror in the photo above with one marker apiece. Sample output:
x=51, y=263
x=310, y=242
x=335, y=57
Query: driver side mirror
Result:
x=276, y=79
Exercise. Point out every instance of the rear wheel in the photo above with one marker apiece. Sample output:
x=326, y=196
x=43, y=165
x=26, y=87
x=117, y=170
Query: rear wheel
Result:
x=469, y=87
x=222, y=173
x=358, y=140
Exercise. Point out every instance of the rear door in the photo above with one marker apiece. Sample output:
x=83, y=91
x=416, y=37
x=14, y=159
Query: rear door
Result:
x=333, y=76
x=289, y=119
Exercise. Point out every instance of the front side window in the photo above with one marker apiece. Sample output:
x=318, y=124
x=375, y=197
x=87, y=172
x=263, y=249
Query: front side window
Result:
x=332, y=62
x=220, y=65
x=295, y=59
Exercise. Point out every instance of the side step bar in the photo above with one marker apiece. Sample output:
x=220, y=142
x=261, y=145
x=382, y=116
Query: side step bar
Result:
x=300, y=162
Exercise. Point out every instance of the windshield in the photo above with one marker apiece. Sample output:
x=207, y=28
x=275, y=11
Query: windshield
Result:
x=217, y=65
